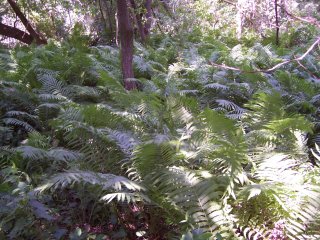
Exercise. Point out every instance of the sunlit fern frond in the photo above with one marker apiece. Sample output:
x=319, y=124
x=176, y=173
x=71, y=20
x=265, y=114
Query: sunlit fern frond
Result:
x=124, y=140
x=71, y=114
x=126, y=197
x=50, y=85
x=267, y=114
x=103, y=180
x=265, y=107
x=150, y=156
x=233, y=110
x=263, y=55
x=316, y=152
x=282, y=182
x=100, y=153
x=198, y=194
x=34, y=157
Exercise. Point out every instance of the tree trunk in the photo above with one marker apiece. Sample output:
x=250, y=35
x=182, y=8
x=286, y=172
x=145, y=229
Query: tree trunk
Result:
x=147, y=25
x=126, y=44
x=35, y=35
x=138, y=21
x=102, y=13
x=106, y=15
x=15, y=33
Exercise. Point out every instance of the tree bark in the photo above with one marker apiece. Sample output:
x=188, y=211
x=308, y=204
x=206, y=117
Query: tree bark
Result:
x=138, y=21
x=126, y=44
x=15, y=33
x=35, y=35
x=147, y=25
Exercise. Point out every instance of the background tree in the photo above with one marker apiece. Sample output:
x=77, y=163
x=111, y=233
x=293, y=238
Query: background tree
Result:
x=18, y=34
x=126, y=43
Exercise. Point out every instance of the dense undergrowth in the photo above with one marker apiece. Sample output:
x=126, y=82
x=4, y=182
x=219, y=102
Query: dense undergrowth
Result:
x=198, y=152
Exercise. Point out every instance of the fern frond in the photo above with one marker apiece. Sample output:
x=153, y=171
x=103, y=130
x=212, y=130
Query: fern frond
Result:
x=18, y=123
x=31, y=152
x=52, y=97
x=217, y=86
x=50, y=85
x=16, y=114
x=105, y=181
x=197, y=193
x=126, y=197
x=316, y=152
x=234, y=111
x=124, y=140
x=60, y=154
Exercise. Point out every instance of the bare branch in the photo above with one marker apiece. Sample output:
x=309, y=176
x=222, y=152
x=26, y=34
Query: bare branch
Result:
x=37, y=37
x=15, y=33
x=307, y=70
x=309, y=20
x=274, y=67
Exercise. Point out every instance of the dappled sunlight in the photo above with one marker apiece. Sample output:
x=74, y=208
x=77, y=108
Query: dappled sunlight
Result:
x=147, y=119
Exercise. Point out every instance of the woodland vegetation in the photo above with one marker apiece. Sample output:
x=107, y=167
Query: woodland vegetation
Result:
x=159, y=119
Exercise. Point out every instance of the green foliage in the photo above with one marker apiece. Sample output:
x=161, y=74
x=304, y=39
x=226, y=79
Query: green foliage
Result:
x=196, y=153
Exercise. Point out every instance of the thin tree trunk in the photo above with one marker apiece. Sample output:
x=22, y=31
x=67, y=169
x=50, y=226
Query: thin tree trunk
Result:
x=147, y=25
x=106, y=17
x=126, y=44
x=239, y=19
x=138, y=21
x=15, y=33
x=167, y=8
x=36, y=36
x=157, y=22
x=109, y=12
x=117, y=29
x=102, y=14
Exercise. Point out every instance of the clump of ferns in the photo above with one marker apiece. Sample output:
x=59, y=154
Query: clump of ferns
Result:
x=110, y=186
x=191, y=180
x=272, y=130
x=268, y=110
x=85, y=129
x=256, y=215
x=285, y=185
x=69, y=64
x=161, y=152
x=17, y=109
x=157, y=125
